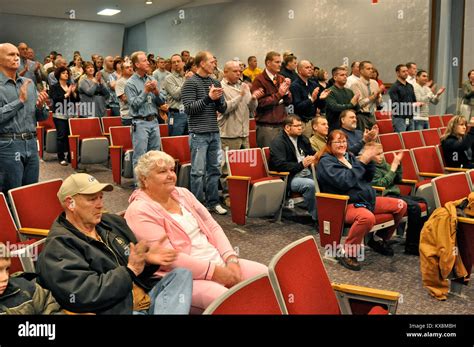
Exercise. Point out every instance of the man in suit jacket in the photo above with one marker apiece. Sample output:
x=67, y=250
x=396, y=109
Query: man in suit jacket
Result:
x=271, y=110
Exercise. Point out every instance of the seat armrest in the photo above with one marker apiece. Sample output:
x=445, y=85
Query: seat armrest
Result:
x=430, y=174
x=279, y=173
x=332, y=196
x=239, y=178
x=466, y=220
x=366, y=291
x=34, y=231
x=378, y=188
x=455, y=169
x=407, y=181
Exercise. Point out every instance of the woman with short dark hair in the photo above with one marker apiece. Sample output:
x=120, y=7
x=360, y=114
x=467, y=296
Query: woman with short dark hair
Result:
x=64, y=97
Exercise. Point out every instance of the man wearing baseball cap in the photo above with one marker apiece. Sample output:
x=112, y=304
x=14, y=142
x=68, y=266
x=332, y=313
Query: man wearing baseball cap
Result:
x=93, y=263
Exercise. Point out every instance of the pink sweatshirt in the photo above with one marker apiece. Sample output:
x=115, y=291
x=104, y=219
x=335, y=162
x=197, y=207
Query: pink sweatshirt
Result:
x=150, y=221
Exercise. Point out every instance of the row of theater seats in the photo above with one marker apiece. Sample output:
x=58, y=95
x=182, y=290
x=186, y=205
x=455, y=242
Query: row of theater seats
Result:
x=34, y=216
x=94, y=140
x=297, y=283
x=384, y=121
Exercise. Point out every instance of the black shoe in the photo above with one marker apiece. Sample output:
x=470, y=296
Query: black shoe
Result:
x=412, y=250
x=381, y=247
x=350, y=263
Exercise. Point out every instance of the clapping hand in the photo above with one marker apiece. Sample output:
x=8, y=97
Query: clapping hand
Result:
x=215, y=93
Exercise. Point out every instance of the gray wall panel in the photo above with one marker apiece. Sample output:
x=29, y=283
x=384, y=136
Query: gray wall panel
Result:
x=65, y=36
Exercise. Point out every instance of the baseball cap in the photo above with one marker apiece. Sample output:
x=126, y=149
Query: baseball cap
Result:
x=81, y=183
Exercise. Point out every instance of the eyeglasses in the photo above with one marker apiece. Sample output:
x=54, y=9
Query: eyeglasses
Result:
x=340, y=142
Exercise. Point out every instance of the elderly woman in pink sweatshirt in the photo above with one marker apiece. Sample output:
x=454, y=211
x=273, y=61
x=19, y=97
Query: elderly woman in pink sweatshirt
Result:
x=161, y=212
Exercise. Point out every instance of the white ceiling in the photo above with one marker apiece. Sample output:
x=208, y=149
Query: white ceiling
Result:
x=133, y=11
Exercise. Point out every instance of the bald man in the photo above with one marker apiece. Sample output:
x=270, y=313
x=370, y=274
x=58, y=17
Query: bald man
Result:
x=306, y=96
x=234, y=122
x=21, y=106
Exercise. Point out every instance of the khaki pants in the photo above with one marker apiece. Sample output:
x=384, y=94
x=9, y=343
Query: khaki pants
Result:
x=232, y=143
x=365, y=121
x=307, y=129
x=266, y=134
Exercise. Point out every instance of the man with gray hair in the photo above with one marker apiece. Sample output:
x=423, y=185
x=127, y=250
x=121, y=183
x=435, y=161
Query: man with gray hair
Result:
x=59, y=62
x=172, y=85
x=127, y=72
x=234, y=122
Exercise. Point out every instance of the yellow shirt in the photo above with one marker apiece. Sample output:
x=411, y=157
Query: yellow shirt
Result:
x=252, y=73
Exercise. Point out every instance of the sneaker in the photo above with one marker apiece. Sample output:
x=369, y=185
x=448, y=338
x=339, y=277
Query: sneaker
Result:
x=381, y=247
x=218, y=209
x=350, y=263
x=63, y=163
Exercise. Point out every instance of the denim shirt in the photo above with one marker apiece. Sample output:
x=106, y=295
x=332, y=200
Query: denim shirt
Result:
x=15, y=116
x=141, y=104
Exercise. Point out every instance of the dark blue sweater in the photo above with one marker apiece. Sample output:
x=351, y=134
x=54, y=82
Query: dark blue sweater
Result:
x=336, y=178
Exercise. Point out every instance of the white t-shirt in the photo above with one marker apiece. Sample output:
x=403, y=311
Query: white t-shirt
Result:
x=299, y=156
x=200, y=246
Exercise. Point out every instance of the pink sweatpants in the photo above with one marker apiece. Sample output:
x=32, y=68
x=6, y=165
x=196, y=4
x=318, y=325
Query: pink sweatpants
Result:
x=363, y=220
x=205, y=292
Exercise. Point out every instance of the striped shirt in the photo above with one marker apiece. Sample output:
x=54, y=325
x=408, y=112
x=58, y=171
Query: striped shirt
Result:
x=200, y=108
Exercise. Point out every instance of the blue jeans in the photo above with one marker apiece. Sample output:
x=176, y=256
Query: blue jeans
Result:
x=19, y=163
x=178, y=123
x=421, y=124
x=305, y=186
x=205, y=164
x=399, y=125
x=172, y=295
x=145, y=137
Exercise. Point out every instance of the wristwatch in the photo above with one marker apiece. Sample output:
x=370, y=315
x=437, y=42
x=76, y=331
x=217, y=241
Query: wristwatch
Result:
x=234, y=260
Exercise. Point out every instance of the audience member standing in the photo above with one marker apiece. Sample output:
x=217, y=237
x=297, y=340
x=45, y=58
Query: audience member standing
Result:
x=403, y=99
x=355, y=74
x=370, y=96
x=252, y=70
x=93, y=90
x=127, y=72
x=306, y=96
x=234, y=123
x=202, y=97
x=271, y=111
x=144, y=100
x=172, y=85
x=20, y=108
x=424, y=95
x=340, y=98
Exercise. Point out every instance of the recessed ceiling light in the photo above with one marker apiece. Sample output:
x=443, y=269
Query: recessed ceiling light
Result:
x=149, y=2
x=108, y=12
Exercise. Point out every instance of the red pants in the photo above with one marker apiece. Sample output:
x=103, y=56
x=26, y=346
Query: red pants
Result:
x=363, y=220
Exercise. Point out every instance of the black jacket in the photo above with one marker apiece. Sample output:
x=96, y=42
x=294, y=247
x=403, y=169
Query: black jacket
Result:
x=86, y=275
x=283, y=154
x=454, y=150
x=301, y=92
x=336, y=178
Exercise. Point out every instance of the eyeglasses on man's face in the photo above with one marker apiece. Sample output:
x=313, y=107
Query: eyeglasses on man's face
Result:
x=297, y=125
